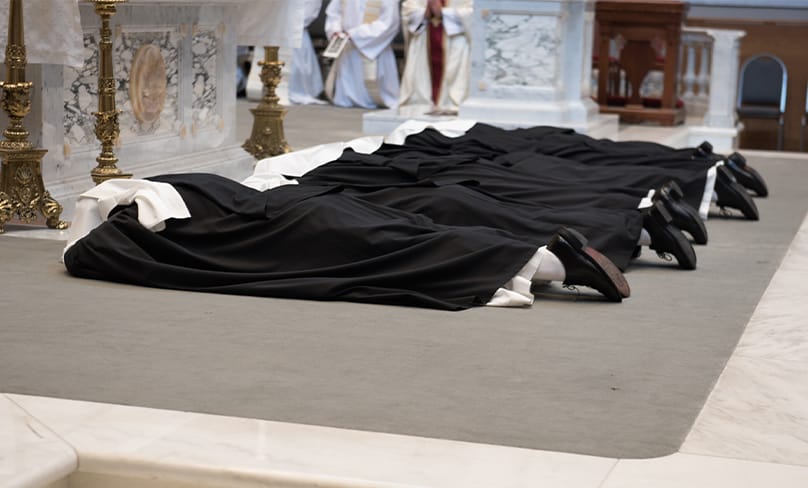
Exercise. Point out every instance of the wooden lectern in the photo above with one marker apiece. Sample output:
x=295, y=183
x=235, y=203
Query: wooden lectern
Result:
x=641, y=24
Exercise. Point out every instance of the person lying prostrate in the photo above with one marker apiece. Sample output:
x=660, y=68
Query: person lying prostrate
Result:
x=300, y=242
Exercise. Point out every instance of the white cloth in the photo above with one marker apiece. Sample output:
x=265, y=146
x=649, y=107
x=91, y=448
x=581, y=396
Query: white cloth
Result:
x=648, y=200
x=270, y=23
x=516, y=292
x=305, y=77
x=156, y=203
x=370, y=43
x=274, y=171
x=281, y=170
x=53, y=33
x=709, y=187
x=416, y=81
x=706, y=197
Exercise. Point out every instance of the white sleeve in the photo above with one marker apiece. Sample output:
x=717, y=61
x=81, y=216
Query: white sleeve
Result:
x=413, y=13
x=453, y=22
x=333, y=18
x=373, y=38
x=516, y=292
x=311, y=11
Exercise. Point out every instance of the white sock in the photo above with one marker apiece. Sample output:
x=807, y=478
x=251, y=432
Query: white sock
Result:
x=645, y=238
x=550, y=267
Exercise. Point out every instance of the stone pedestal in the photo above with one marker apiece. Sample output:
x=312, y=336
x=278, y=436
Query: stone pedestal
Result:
x=531, y=65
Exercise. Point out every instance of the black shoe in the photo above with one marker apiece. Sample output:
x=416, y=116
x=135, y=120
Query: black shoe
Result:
x=731, y=194
x=666, y=238
x=704, y=150
x=585, y=266
x=684, y=216
x=746, y=175
x=674, y=190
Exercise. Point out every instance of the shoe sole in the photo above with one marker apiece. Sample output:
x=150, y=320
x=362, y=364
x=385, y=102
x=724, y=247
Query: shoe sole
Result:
x=578, y=241
x=608, y=267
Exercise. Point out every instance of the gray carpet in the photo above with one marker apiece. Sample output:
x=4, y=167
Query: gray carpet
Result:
x=619, y=380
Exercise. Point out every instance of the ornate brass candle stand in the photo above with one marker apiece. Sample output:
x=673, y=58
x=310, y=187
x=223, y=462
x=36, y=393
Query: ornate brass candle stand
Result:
x=22, y=191
x=267, y=138
x=107, y=127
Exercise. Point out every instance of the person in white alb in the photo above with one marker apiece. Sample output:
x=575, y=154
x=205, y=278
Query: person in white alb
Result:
x=365, y=74
x=305, y=78
x=438, y=52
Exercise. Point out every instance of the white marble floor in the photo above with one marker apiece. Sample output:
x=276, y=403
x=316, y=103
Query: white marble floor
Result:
x=752, y=432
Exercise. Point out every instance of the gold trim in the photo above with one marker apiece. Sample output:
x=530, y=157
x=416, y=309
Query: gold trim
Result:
x=107, y=127
x=267, y=138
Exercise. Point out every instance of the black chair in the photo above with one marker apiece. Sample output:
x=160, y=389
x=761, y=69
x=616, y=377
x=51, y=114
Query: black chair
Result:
x=762, y=90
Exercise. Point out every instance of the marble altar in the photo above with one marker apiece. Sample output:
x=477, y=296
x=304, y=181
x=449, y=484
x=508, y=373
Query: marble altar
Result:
x=530, y=65
x=174, y=67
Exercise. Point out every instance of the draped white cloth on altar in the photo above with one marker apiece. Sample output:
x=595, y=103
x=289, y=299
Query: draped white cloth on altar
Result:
x=271, y=23
x=53, y=32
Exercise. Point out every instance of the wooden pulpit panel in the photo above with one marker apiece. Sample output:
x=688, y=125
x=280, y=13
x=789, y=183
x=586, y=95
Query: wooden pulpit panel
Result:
x=643, y=25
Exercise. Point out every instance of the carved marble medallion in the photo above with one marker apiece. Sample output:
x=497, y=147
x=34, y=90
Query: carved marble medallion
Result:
x=148, y=84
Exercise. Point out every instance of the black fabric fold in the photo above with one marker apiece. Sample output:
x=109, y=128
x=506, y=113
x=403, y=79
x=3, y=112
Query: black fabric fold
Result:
x=325, y=246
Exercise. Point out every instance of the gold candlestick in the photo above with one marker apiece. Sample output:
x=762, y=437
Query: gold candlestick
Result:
x=107, y=127
x=267, y=138
x=22, y=191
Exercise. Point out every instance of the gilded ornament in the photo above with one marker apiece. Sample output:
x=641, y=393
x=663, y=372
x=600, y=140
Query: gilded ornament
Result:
x=16, y=56
x=107, y=127
x=17, y=100
x=6, y=210
x=267, y=138
x=22, y=191
x=52, y=209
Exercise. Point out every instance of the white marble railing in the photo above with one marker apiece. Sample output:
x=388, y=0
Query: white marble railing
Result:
x=694, y=70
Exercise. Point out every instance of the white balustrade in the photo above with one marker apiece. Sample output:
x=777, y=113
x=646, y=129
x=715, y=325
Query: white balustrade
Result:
x=695, y=70
x=718, y=67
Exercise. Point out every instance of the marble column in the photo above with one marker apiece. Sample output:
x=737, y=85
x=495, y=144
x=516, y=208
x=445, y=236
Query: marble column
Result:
x=720, y=125
x=532, y=65
x=724, y=69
